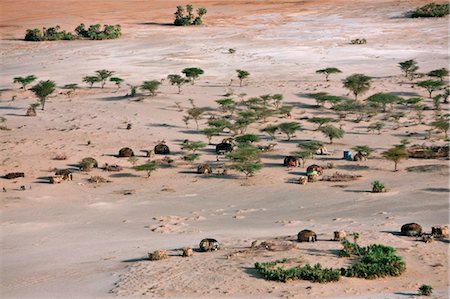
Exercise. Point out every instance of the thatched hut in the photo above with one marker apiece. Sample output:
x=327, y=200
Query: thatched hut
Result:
x=411, y=229
x=204, y=169
x=126, y=152
x=161, y=149
x=88, y=163
x=223, y=148
x=307, y=235
x=209, y=244
x=292, y=161
x=314, y=168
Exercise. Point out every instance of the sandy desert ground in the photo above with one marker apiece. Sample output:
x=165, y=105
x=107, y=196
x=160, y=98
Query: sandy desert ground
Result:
x=83, y=240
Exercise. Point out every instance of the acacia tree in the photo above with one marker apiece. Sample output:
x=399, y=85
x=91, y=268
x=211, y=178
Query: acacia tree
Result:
x=396, y=154
x=271, y=130
x=431, y=85
x=328, y=71
x=357, y=84
x=148, y=167
x=177, y=80
x=241, y=74
x=195, y=113
x=210, y=132
x=439, y=73
x=151, y=86
x=289, y=128
x=384, y=99
x=103, y=75
x=442, y=124
x=192, y=73
x=332, y=132
x=42, y=90
x=409, y=67
x=247, y=138
x=376, y=127
x=117, y=81
x=227, y=105
x=246, y=159
x=24, y=81
x=320, y=121
x=91, y=80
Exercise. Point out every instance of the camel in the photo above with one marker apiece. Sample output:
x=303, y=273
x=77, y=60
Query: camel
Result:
x=303, y=180
x=209, y=245
x=157, y=255
x=56, y=179
x=291, y=161
x=339, y=235
x=126, y=152
x=204, y=169
x=440, y=232
x=411, y=229
x=187, y=252
x=359, y=157
x=321, y=151
x=306, y=235
x=65, y=173
x=267, y=148
x=112, y=168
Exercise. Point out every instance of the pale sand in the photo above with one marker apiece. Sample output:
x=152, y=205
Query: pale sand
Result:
x=77, y=240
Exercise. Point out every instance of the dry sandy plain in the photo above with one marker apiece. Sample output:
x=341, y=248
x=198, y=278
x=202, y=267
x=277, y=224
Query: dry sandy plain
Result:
x=82, y=240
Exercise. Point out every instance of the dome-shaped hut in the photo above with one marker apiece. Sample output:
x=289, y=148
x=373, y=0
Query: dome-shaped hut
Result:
x=411, y=229
x=161, y=149
x=204, y=169
x=292, y=161
x=126, y=152
x=223, y=148
x=209, y=244
x=307, y=235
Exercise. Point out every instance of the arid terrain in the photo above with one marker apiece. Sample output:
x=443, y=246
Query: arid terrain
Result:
x=86, y=240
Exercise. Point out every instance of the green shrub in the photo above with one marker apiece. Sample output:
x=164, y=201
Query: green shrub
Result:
x=93, y=32
x=425, y=290
x=378, y=187
x=314, y=274
x=374, y=261
x=182, y=19
x=431, y=10
x=48, y=34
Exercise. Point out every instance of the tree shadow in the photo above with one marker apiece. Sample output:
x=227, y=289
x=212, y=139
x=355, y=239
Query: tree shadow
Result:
x=358, y=191
x=157, y=24
x=405, y=94
x=115, y=98
x=392, y=232
x=10, y=108
x=352, y=167
x=406, y=294
x=252, y=272
x=124, y=175
x=139, y=259
x=444, y=190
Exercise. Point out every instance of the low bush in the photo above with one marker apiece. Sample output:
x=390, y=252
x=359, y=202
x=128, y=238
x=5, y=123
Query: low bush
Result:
x=431, y=10
x=94, y=32
x=374, y=261
x=378, y=187
x=314, y=274
x=425, y=290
